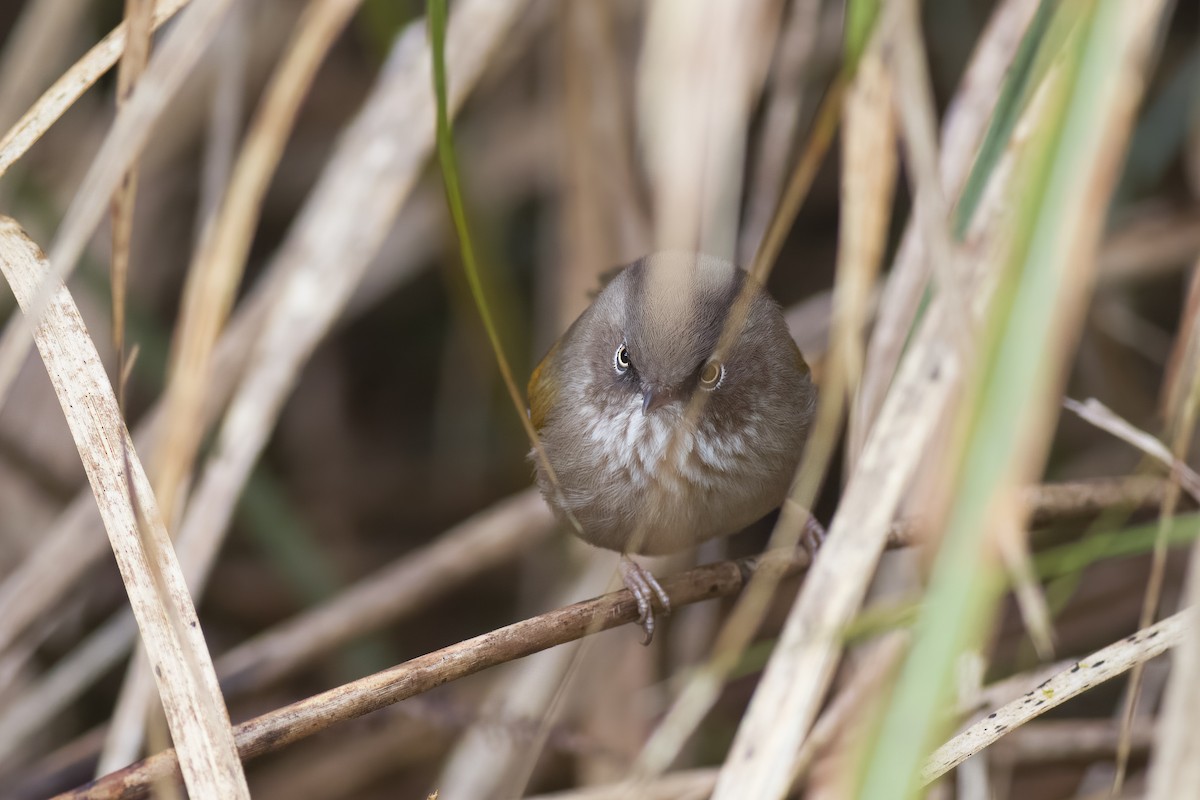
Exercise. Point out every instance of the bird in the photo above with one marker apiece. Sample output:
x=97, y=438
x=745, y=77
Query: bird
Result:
x=673, y=410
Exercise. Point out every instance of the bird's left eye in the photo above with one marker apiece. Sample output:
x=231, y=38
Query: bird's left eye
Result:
x=711, y=374
x=621, y=359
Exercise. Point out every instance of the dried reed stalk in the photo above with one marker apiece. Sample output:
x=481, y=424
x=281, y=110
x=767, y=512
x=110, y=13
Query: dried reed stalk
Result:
x=790, y=692
x=157, y=591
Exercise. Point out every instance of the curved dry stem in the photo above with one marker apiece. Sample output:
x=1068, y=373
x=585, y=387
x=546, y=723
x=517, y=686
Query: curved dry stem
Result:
x=217, y=268
x=153, y=580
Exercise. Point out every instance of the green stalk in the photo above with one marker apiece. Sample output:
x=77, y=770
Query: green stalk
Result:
x=1018, y=363
x=449, y=164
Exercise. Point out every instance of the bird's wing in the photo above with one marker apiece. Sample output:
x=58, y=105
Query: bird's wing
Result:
x=543, y=388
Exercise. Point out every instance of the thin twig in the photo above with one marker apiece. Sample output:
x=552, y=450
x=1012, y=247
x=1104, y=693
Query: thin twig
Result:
x=276, y=729
x=481, y=542
x=1176, y=765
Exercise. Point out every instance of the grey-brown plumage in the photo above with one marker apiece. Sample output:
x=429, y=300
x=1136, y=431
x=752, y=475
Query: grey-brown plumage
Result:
x=655, y=445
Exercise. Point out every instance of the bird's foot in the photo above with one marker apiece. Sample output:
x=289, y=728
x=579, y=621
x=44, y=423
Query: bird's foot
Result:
x=644, y=587
x=813, y=535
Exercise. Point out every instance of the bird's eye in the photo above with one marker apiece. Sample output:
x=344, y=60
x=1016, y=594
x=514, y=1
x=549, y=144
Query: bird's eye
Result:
x=711, y=374
x=621, y=360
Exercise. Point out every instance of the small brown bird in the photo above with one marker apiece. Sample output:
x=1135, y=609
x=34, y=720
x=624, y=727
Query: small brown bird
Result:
x=656, y=440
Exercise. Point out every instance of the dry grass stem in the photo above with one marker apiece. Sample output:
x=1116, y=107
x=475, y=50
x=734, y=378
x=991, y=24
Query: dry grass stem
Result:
x=702, y=67
x=65, y=682
x=49, y=571
x=73, y=544
x=225, y=120
x=966, y=121
x=915, y=107
x=1087, y=672
x=1181, y=366
x=195, y=709
x=212, y=281
x=332, y=244
x=1175, y=765
x=825, y=124
x=786, y=94
x=216, y=270
x=1175, y=768
x=1012, y=539
x=1098, y=414
x=604, y=217
x=33, y=53
x=1149, y=245
x=71, y=86
x=787, y=699
x=854, y=699
x=139, y=24
x=868, y=183
x=172, y=62
x=1181, y=425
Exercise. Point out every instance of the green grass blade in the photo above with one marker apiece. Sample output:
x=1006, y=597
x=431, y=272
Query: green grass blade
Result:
x=1018, y=367
x=448, y=161
x=861, y=16
x=1014, y=95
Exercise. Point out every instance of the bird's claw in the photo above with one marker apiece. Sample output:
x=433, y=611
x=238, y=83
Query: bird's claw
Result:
x=644, y=588
x=813, y=536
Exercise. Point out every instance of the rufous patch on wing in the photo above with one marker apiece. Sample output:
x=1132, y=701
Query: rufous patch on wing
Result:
x=542, y=392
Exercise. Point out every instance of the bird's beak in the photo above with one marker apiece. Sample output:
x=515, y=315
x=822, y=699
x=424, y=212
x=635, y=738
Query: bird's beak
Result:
x=653, y=398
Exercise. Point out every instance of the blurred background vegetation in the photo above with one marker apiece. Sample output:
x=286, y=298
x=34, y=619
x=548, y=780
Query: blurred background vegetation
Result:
x=398, y=426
